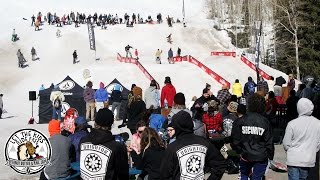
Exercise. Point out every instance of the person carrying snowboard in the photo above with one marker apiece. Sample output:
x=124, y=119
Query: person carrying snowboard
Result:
x=33, y=54
x=127, y=49
x=170, y=56
x=75, y=56
x=158, y=56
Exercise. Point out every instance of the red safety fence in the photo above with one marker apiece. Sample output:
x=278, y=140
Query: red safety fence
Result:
x=136, y=62
x=211, y=73
x=217, y=53
x=252, y=66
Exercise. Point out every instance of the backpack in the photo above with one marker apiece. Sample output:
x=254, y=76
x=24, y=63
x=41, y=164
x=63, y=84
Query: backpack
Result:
x=57, y=103
x=251, y=88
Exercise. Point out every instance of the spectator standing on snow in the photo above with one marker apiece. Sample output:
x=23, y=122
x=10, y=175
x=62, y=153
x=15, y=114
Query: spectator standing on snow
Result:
x=136, y=110
x=302, y=141
x=170, y=56
x=88, y=96
x=167, y=96
x=278, y=85
x=101, y=96
x=152, y=96
x=116, y=98
x=249, y=87
x=179, y=52
x=237, y=88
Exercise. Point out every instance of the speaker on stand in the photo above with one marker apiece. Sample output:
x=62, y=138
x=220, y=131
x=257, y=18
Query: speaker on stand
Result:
x=32, y=97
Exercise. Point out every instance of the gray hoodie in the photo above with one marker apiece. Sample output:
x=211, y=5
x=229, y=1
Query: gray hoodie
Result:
x=302, y=138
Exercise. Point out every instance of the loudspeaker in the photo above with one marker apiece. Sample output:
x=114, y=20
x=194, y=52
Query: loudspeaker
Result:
x=32, y=95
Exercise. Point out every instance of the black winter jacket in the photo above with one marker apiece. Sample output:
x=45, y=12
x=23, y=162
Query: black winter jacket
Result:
x=186, y=158
x=136, y=110
x=101, y=157
x=116, y=96
x=252, y=137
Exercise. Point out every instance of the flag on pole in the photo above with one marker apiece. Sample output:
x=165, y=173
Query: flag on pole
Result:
x=257, y=50
x=92, y=40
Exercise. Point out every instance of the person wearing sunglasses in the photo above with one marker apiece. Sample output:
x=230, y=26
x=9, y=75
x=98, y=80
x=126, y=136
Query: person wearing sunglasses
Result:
x=171, y=133
x=134, y=147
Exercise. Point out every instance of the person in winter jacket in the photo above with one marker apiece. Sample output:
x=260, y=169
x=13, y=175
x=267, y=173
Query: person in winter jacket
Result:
x=33, y=54
x=278, y=85
x=230, y=118
x=237, y=88
x=127, y=49
x=116, y=97
x=213, y=118
x=136, y=54
x=187, y=157
x=61, y=154
x=252, y=139
x=167, y=95
x=197, y=108
x=224, y=95
x=75, y=56
x=291, y=82
x=152, y=96
x=134, y=148
x=271, y=106
x=101, y=96
x=262, y=86
x=56, y=97
x=179, y=104
x=80, y=132
x=291, y=103
x=1, y=105
x=101, y=157
x=155, y=120
x=170, y=56
x=158, y=56
x=249, y=87
x=153, y=151
x=136, y=110
x=179, y=52
x=88, y=96
x=302, y=141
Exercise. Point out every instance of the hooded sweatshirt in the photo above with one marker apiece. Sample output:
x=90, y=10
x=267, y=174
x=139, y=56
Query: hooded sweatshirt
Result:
x=110, y=157
x=189, y=150
x=101, y=94
x=152, y=97
x=302, y=138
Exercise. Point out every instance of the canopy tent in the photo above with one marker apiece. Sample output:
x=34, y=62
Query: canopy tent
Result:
x=73, y=94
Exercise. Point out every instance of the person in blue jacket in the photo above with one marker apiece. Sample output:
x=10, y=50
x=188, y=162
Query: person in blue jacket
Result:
x=101, y=96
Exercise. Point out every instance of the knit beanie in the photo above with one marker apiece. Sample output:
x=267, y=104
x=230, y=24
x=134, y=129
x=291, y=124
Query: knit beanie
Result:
x=179, y=99
x=182, y=123
x=101, y=85
x=167, y=79
x=137, y=91
x=233, y=106
x=104, y=118
x=54, y=127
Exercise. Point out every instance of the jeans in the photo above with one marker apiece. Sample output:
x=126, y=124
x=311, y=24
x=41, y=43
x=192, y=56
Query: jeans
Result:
x=90, y=107
x=56, y=113
x=259, y=168
x=298, y=173
x=116, y=106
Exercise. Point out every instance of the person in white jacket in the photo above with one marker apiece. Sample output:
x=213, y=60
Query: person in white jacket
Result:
x=302, y=141
x=56, y=97
x=152, y=96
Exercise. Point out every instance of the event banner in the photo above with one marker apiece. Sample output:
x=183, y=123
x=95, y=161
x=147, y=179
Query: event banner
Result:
x=92, y=40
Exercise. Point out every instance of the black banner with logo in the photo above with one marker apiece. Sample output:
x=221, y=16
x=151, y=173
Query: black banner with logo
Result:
x=92, y=40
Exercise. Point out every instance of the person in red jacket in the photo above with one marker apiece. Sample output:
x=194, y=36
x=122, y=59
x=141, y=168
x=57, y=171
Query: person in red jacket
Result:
x=136, y=54
x=213, y=118
x=167, y=95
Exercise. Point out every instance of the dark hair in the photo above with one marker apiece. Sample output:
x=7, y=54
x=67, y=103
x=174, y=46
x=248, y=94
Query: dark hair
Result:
x=256, y=103
x=205, y=90
x=292, y=92
x=234, y=98
x=237, y=81
x=153, y=83
x=149, y=138
x=271, y=94
x=132, y=86
x=140, y=124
